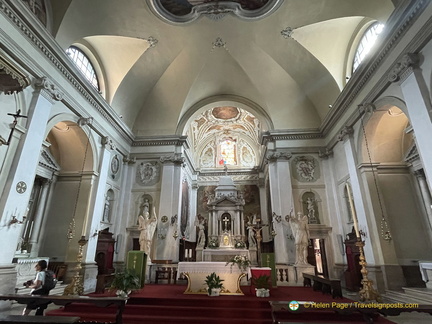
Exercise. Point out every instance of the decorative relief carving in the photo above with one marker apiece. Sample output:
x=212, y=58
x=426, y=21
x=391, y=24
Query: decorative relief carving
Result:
x=326, y=154
x=219, y=43
x=152, y=41
x=403, y=68
x=148, y=173
x=247, y=156
x=208, y=157
x=305, y=169
x=287, y=32
x=115, y=165
x=11, y=78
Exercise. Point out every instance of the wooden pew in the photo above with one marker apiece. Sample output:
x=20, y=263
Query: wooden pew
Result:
x=326, y=285
x=66, y=300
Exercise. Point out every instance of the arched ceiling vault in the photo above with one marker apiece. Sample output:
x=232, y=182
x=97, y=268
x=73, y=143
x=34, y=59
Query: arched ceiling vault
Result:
x=293, y=79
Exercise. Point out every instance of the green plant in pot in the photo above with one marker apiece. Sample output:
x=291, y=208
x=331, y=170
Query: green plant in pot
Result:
x=262, y=285
x=214, y=284
x=125, y=282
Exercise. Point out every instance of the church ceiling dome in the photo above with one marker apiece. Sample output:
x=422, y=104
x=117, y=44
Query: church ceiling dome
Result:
x=292, y=62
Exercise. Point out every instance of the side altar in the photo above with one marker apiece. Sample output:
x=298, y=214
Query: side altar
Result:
x=196, y=273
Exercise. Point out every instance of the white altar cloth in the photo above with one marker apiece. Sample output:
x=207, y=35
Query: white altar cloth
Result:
x=197, y=271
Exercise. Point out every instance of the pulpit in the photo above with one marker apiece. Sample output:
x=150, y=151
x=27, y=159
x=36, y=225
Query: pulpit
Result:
x=196, y=273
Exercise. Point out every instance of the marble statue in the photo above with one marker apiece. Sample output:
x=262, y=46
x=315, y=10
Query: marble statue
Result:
x=147, y=226
x=201, y=231
x=300, y=228
x=106, y=212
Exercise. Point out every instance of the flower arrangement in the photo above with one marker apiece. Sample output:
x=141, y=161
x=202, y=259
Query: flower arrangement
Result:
x=242, y=261
x=125, y=282
x=239, y=244
x=213, y=281
x=213, y=244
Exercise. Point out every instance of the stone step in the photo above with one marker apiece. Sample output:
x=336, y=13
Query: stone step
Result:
x=422, y=293
x=393, y=296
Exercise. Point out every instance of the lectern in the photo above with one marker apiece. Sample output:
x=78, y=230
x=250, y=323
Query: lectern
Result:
x=137, y=262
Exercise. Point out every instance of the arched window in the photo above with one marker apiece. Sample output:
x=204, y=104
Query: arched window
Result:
x=84, y=65
x=366, y=43
x=228, y=152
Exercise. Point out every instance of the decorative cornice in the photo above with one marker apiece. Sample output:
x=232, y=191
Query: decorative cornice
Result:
x=160, y=141
x=404, y=67
x=346, y=131
x=267, y=137
x=236, y=176
x=11, y=78
x=47, y=86
x=274, y=156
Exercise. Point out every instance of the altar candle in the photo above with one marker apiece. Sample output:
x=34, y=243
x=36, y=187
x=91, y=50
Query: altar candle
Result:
x=354, y=215
x=186, y=253
x=190, y=253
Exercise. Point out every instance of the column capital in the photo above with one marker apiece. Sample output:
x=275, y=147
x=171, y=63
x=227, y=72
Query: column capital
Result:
x=274, y=156
x=108, y=143
x=402, y=69
x=346, y=131
x=48, y=89
x=326, y=154
x=175, y=158
x=419, y=174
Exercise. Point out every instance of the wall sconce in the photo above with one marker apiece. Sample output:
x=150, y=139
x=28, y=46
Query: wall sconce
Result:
x=15, y=220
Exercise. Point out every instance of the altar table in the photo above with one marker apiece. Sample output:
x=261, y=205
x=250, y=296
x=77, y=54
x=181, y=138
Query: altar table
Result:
x=196, y=273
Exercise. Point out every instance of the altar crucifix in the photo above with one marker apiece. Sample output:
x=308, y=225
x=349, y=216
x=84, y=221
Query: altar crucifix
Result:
x=226, y=227
x=257, y=228
x=14, y=123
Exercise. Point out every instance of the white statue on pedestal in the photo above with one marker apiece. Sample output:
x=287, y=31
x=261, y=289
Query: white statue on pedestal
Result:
x=300, y=228
x=147, y=226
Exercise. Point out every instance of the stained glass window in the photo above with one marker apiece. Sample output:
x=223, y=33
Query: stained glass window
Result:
x=228, y=152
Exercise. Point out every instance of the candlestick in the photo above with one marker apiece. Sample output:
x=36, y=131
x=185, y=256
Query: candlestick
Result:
x=354, y=215
x=190, y=253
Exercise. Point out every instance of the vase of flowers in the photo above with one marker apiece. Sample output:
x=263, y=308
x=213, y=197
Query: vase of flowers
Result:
x=213, y=244
x=239, y=244
x=214, y=284
x=242, y=261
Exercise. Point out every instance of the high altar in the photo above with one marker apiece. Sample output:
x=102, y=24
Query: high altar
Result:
x=226, y=224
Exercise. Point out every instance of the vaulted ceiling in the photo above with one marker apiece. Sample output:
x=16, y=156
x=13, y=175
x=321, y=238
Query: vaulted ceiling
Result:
x=159, y=74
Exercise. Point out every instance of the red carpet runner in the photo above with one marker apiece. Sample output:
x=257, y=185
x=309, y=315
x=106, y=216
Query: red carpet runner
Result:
x=167, y=304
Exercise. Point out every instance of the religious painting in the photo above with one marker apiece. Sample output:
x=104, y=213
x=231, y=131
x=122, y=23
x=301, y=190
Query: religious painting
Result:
x=204, y=194
x=184, y=216
x=184, y=7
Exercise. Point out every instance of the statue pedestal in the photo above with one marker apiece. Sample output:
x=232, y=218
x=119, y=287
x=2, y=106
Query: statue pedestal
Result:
x=199, y=254
x=300, y=269
x=253, y=256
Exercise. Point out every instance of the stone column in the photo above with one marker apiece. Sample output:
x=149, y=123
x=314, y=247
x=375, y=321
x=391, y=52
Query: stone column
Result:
x=94, y=214
x=417, y=98
x=264, y=211
x=39, y=217
x=281, y=202
x=22, y=173
x=357, y=190
x=167, y=248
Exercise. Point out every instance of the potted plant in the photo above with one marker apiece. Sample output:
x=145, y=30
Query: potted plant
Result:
x=125, y=282
x=214, y=284
x=262, y=285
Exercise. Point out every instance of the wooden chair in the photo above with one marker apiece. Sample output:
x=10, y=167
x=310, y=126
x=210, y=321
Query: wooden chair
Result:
x=165, y=272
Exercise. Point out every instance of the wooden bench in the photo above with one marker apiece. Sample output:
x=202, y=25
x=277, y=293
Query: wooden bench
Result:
x=325, y=285
x=66, y=300
x=19, y=319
